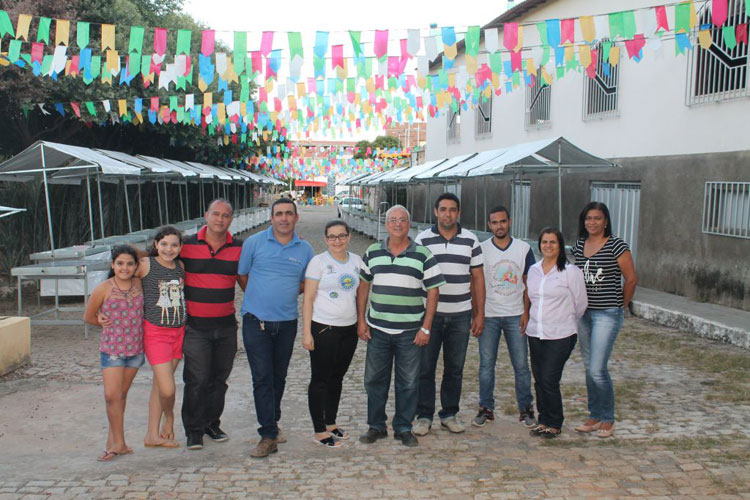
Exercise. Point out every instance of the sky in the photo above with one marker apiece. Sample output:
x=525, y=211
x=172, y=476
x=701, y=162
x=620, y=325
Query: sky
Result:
x=337, y=17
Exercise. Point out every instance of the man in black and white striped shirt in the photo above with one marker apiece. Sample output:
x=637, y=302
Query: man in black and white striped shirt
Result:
x=460, y=312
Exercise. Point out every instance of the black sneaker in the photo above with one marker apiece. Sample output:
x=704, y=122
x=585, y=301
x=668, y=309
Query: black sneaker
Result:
x=195, y=441
x=482, y=417
x=214, y=432
x=406, y=438
x=527, y=417
x=372, y=435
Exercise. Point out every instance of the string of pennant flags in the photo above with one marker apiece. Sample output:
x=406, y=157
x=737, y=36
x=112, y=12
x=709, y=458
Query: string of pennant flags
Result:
x=368, y=83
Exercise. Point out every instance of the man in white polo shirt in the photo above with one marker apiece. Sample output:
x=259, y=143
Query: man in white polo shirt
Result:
x=459, y=255
x=506, y=263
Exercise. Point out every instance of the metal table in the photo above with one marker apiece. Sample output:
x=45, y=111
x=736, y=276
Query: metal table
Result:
x=69, y=269
x=69, y=253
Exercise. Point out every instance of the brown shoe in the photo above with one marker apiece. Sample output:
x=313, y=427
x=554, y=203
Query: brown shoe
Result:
x=589, y=425
x=606, y=432
x=280, y=437
x=265, y=447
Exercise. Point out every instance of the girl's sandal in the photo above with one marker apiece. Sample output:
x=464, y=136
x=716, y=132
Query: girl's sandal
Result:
x=329, y=442
x=339, y=433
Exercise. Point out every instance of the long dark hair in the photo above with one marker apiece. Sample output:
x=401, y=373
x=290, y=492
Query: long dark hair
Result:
x=119, y=250
x=562, y=260
x=161, y=233
x=594, y=205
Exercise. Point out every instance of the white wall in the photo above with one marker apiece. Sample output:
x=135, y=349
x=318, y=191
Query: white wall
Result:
x=653, y=117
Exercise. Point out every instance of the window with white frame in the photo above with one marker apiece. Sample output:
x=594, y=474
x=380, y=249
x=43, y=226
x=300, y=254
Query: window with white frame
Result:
x=726, y=209
x=484, y=116
x=600, y=94
x=719, y=72
x=454, y=124
x=538, y=102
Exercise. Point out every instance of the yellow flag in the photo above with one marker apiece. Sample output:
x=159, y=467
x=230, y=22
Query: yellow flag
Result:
x=208, y=99
x=588, y=28
x=519, y=46
x=614, y=55
x=704, y=37
x=487, y=92
x=108, y=36
x=570, y=52
x=226, y=140
x=547, y=77
x=62, y=32
x=122, y=107
x=451, y=51
x=421, y=81
x=357, y=100
x=370, y=85
x=113, y=61
x=495, y=81
x=530, y=66
x=693, y=16
x=291, y=103
x=451, y=79
x=471, y=64
x=301, y=91
x=342, y=73
x=4, y=62
x=22, y=31
x=138, y=118
x=202, y=84
x=269, y=85
x=243, y=109
x=221, y=113
x=584, y=55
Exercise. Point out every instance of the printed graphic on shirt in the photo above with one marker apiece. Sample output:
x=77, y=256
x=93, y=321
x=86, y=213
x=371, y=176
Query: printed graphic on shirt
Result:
x=170, y=301
x=592, y=274
x=505, y=277
x=347, y=281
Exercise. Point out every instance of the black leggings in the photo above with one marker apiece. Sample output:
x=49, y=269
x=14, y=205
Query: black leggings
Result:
x=329, y=361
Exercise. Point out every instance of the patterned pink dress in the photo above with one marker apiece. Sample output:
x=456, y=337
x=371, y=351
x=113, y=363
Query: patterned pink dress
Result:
x=124, y=336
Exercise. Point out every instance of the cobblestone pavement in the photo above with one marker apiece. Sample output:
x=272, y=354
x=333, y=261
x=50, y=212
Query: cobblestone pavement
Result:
x=681, y=432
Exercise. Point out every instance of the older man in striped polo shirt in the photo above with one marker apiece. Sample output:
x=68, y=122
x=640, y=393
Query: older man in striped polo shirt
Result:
x=211, y=259
x=404, y=278
x=459, y=255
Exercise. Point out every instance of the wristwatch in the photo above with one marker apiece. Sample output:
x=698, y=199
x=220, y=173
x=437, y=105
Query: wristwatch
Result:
x=425, y=330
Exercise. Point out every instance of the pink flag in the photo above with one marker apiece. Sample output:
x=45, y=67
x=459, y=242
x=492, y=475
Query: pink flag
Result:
x=76, y=109
x=337, y=56
x=74, y=60
x=207, y=42
x=567, y=30
x=160, y=41
x=380, y=82
x=515, y=61
x=510, y=36
x=266, y=43
x=37, y=52
x=635, y=45
x=661, y=18
x=719, y=11
x=741, y=33
x=257, y=61
x=420, y=104
x=381, y=43
x=312, y=87
x=155, y=103
x=393, y=67
x=404, y=50
x=262, y=94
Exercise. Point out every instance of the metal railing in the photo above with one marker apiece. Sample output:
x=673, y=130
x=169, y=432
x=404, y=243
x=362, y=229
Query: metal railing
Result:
x=600, y=94
x=726, y=209
x=719, y=72
x=538, y=103
x=623, y=200
x=454, y=125
x=483, y=117
x=520, y=209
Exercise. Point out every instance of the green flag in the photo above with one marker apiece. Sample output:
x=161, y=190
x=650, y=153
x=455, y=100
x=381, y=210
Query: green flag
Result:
x=42, y=34
x=90, y=108
x=541, y=27
x=356, y=45
x=82, y=34
x=183, y=41
x=628, y=24
x=295, y=44
x=682, y=17
x=496, y=63
x=615, y=25
x=240, y=51
x=136, y=40
x=729, y=37
x=14, y=50
x=472, y=41
x=5, y=25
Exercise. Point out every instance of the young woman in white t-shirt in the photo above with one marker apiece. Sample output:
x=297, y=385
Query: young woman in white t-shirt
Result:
x=329, y=313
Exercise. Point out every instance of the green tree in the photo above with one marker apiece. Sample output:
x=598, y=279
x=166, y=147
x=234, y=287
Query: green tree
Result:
x=386, y=141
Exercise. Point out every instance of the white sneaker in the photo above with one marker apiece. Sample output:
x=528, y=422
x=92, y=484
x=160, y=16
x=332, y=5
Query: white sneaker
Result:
x=422, y=426
x=452, y=424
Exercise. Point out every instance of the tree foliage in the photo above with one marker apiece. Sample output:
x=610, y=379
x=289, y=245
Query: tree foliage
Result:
x=381, y=141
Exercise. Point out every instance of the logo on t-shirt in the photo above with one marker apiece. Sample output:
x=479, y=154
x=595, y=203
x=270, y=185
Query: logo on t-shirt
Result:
x=505, y=277
x=334, y=295
x=347, y=281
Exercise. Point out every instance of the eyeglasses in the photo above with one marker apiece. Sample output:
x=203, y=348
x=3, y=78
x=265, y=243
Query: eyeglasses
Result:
x=402, y=220
x=334, y=237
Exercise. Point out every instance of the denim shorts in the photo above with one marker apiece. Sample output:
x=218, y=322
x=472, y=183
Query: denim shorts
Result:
x=113, y=361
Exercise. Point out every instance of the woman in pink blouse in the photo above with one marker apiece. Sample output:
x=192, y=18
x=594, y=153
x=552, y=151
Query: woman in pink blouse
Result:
x=557, y=293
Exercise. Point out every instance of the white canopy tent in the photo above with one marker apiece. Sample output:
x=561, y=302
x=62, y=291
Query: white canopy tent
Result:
x=8, y=211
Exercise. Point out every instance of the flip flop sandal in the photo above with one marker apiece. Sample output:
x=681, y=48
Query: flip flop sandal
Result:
x=329, y=442
x=339, y=433
x=107, y=456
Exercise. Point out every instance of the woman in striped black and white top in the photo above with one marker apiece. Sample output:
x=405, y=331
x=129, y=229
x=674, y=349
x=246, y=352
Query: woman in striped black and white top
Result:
x=605, y=260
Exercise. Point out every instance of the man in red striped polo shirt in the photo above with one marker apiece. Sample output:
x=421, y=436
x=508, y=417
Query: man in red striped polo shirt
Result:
x=211, y=257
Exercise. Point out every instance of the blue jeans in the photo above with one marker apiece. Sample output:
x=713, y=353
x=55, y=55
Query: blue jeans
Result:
x=519, y=358
x=268, y=353
x=452, y=333
x=597, y=332
x=382, y=350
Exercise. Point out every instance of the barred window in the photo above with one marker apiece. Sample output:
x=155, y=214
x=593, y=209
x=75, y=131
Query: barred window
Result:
x=726, y=209
x=484, y=116
x=454, y=124
x=600, y=94
x=719, y=73
x=538, y=101
x=521, y=209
